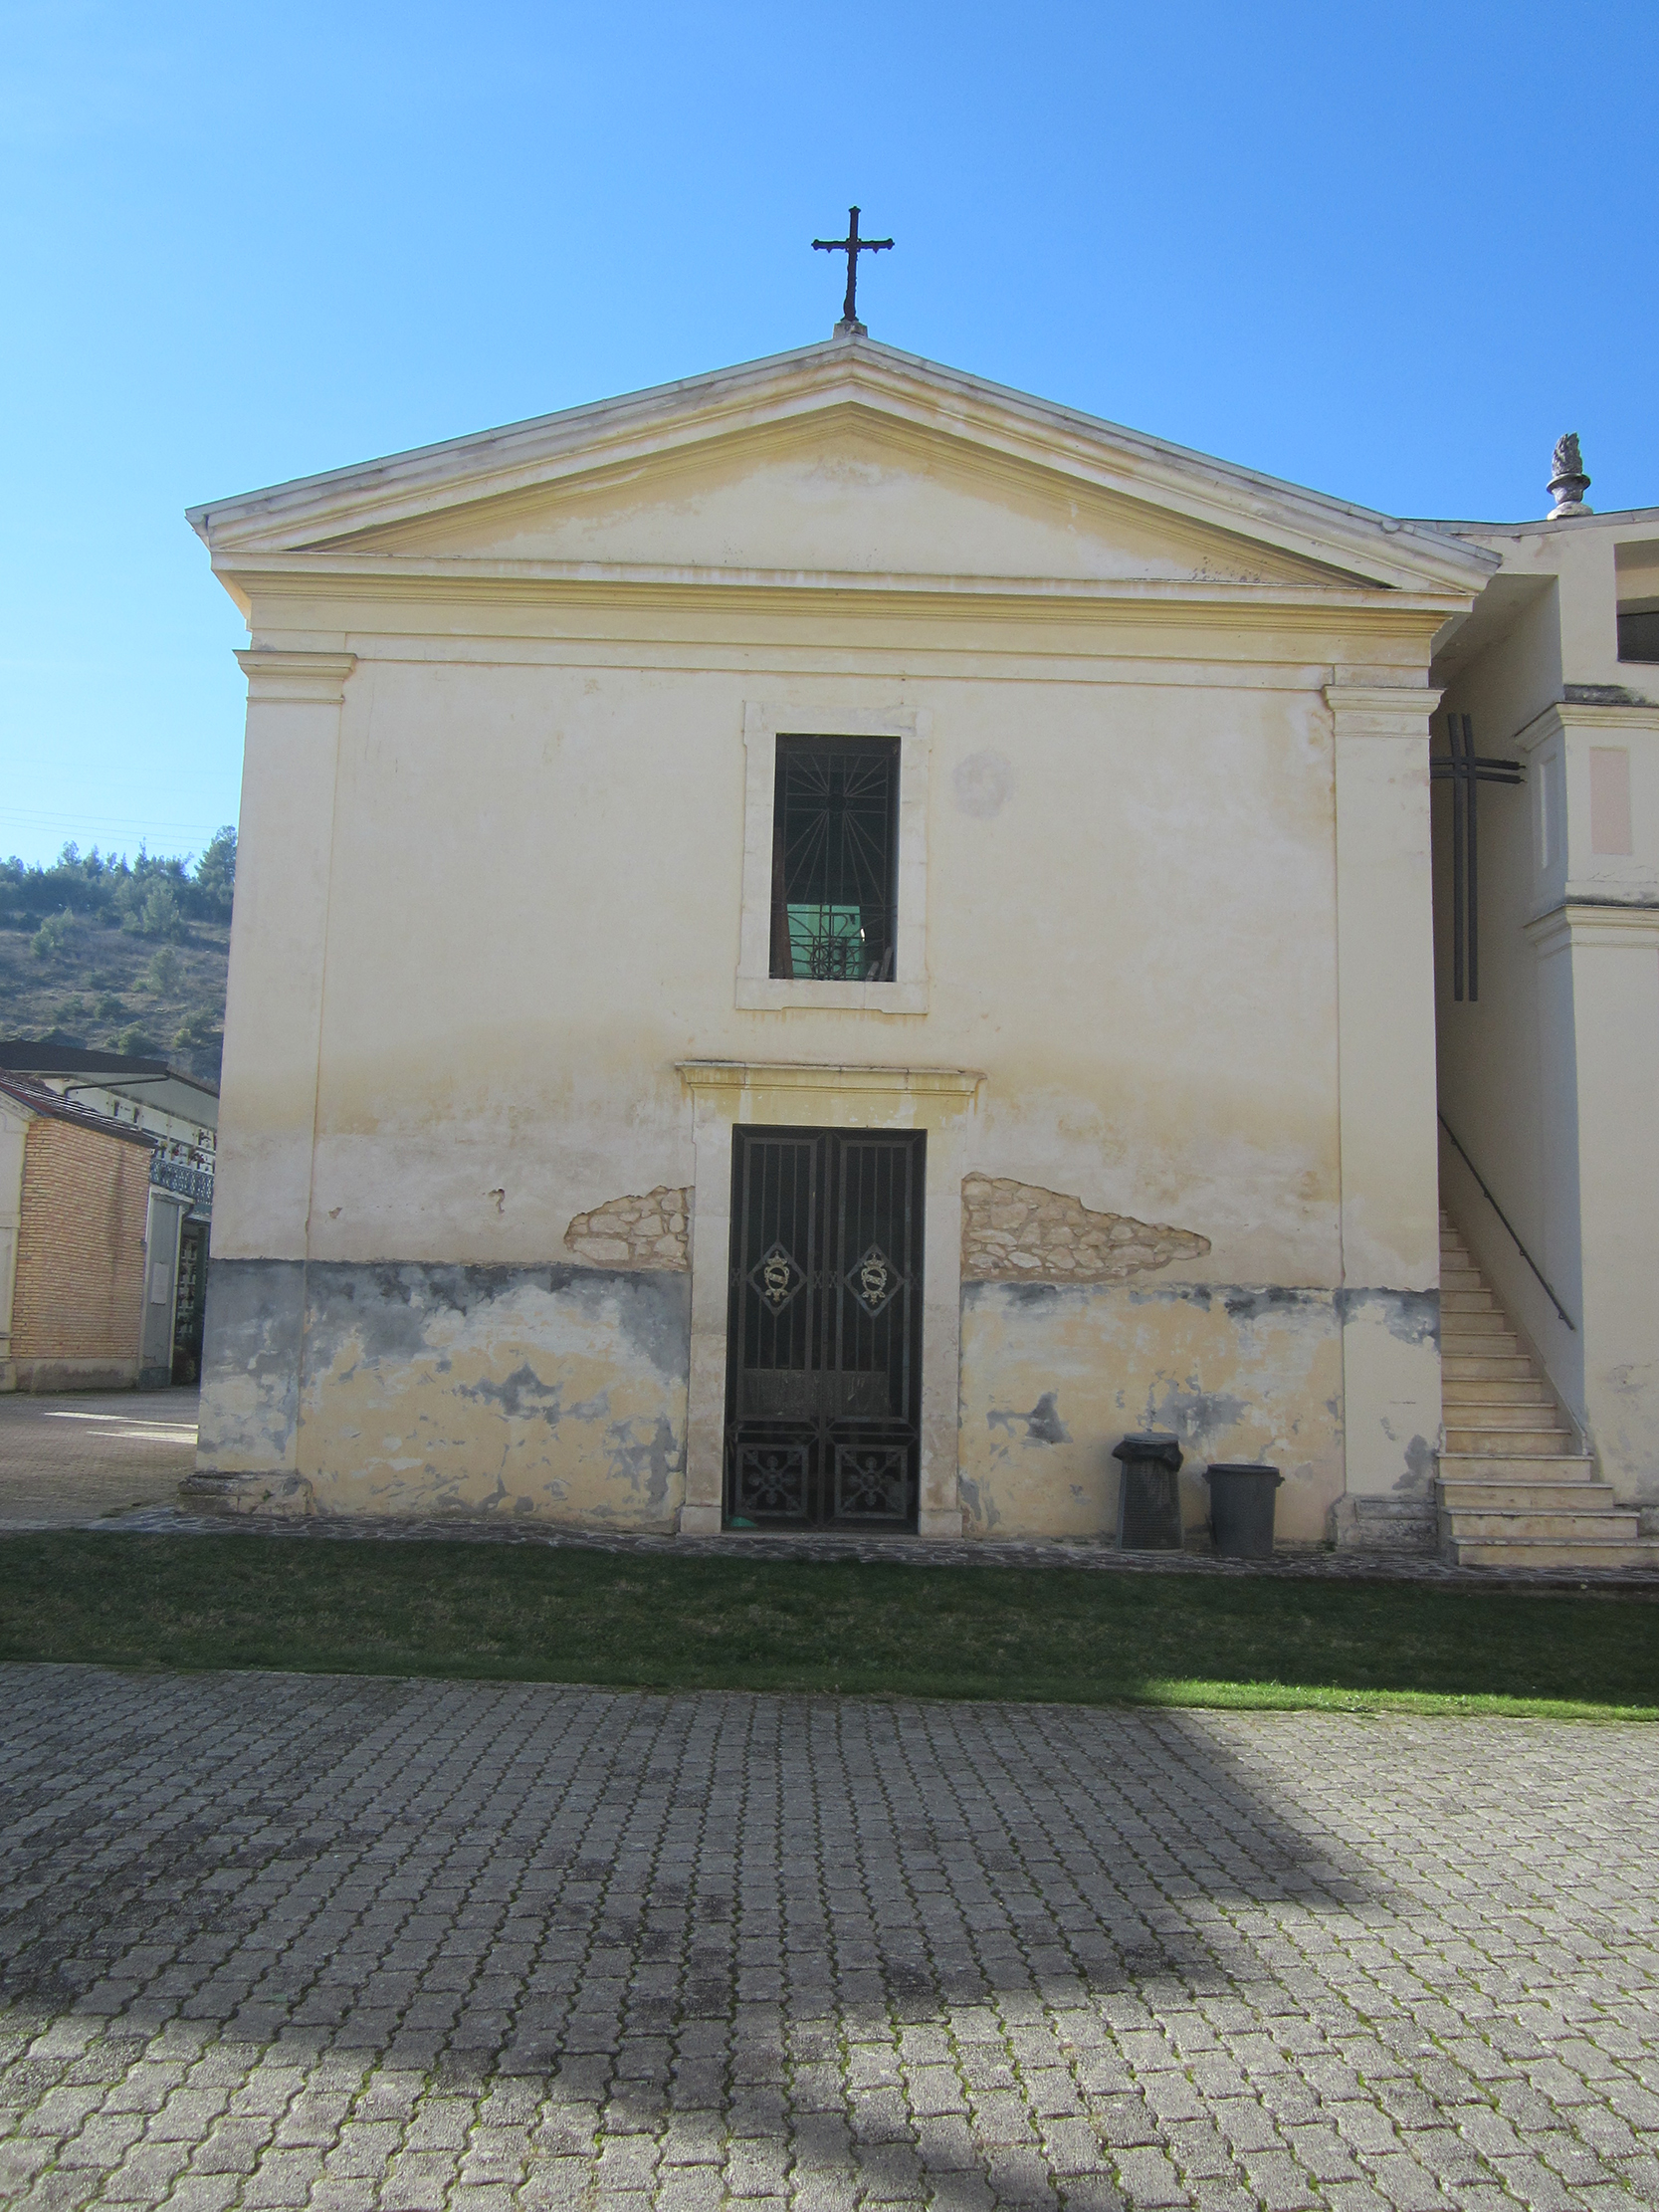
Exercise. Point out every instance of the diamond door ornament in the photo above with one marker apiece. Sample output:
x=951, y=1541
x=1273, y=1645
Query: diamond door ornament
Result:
x=775, y=1278
x=874, y=1280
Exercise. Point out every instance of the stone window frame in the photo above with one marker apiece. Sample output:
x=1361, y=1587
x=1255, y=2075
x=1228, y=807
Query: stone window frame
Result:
x=757, y=989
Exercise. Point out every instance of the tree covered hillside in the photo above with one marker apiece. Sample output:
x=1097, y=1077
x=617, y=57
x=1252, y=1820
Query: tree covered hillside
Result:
x=125, y=958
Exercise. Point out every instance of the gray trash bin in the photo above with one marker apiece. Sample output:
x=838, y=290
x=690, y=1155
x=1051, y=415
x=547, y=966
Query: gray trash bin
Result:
x=1242, y=1500
x=1149, y=1495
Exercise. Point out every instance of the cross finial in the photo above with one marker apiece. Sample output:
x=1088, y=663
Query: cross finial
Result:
x=852, y=245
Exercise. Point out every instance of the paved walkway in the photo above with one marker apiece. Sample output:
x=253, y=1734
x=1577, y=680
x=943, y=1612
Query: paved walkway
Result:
x=68, y=1461
x=274, y=1941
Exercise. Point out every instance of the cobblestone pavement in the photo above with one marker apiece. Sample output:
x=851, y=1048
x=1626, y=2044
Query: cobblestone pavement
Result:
x=270, y=1940
x=68, y=1461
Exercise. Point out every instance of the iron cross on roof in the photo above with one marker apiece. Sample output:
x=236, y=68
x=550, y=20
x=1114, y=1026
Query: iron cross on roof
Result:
x=852, y=245
x=1466, y=770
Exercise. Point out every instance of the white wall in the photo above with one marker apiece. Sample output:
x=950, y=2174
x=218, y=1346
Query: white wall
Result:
x=1551, y=1078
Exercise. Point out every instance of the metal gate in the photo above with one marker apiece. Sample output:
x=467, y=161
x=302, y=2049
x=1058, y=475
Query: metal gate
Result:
x=823, y=1388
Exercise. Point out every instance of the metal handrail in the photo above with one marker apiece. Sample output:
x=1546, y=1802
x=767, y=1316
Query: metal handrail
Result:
x=1510, y=1225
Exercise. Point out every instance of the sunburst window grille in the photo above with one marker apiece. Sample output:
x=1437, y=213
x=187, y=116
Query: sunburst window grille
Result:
x=835, y=848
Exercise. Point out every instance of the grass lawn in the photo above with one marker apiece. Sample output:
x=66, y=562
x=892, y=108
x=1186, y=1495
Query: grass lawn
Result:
x=1072, y=1636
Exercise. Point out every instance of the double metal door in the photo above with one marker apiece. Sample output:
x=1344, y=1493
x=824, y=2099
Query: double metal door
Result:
x=823, y=1393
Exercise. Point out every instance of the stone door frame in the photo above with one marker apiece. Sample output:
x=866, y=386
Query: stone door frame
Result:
x=941, y=1100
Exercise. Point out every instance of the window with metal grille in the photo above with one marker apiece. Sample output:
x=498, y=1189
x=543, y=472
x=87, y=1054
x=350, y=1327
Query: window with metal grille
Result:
x=835, y=857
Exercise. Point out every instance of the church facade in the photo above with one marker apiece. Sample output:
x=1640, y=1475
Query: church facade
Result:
x=814, y=947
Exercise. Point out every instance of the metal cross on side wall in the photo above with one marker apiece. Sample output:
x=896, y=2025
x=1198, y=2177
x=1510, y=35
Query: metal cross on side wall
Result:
x=1466, y=770
x=852, y=245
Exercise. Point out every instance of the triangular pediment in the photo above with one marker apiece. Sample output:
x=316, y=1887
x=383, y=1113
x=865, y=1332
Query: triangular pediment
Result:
x=846, y=490
x=844, y=459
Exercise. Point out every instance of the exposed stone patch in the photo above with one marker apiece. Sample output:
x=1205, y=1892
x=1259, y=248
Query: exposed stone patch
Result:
x=1019, y=1232
x=647, y=1232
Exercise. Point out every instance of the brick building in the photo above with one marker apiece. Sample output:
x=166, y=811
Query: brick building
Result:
x=71, y=1306
x=88, y=1247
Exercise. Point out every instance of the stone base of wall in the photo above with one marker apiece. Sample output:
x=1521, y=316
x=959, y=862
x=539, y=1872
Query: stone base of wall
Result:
x=1055, y=1374
x=553, y=1393
x=46, y=1378
x=1385, y=1524
x=289, y=1496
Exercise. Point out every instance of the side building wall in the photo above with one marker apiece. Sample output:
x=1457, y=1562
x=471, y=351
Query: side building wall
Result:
x=78, y=1297
x=1548, y=1077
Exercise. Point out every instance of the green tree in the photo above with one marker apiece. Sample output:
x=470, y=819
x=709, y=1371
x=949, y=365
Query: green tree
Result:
x=195, y=1030
x=54, y=935
x=165, y=966
x=216, y=877
x=161, y=914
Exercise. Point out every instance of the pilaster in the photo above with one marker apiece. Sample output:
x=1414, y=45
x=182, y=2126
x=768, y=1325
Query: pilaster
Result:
x=1390, y=1239
x=272, y=1018
x=1598, y=981
x=1594, y=772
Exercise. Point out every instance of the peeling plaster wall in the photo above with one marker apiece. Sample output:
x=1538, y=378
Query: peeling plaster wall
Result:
x=650, y=1231
x=1018, y=1233
x=548, y=1393
x=1054, y=1375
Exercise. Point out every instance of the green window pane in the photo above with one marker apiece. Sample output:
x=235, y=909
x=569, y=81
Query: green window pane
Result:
x=827, y=941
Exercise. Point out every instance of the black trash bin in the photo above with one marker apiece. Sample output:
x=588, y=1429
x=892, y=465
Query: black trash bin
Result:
x=1241, y=1507
x=1149, y=1495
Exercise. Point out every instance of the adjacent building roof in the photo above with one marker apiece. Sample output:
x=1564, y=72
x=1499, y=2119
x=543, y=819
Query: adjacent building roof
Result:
x=149, y=1082
x=39, y=1098
x=36, y=1057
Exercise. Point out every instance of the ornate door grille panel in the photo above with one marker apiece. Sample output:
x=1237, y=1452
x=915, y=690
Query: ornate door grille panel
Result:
x=824, y=1332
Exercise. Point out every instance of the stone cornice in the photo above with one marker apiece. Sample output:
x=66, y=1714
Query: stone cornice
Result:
x=295, y=678
x=1601, y=922
x=1199, y=603
x=1575, y=714
x=1382, y=710
x=899, y=387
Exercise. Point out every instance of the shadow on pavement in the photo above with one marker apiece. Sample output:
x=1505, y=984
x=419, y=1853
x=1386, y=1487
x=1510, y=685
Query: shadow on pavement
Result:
x=634, y=1913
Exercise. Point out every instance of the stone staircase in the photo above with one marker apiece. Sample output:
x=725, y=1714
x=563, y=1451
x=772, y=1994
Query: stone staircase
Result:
x=1513, y=1488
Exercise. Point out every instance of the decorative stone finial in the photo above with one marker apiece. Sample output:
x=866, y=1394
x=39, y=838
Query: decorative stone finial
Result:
x=1567, y=480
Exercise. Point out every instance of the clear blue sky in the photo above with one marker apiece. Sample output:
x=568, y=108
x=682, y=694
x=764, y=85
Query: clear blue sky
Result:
x=1392, y=251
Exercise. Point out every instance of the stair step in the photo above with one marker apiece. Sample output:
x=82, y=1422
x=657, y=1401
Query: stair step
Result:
x=1547, y=1551
x=1470, y=1389
x=1524, y=1498
x=1469, y=1406
x=1492, y=1441
x=1555, y=1469
x=1486, y=1367
x=1511, y=1487
x=1463, y=1526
